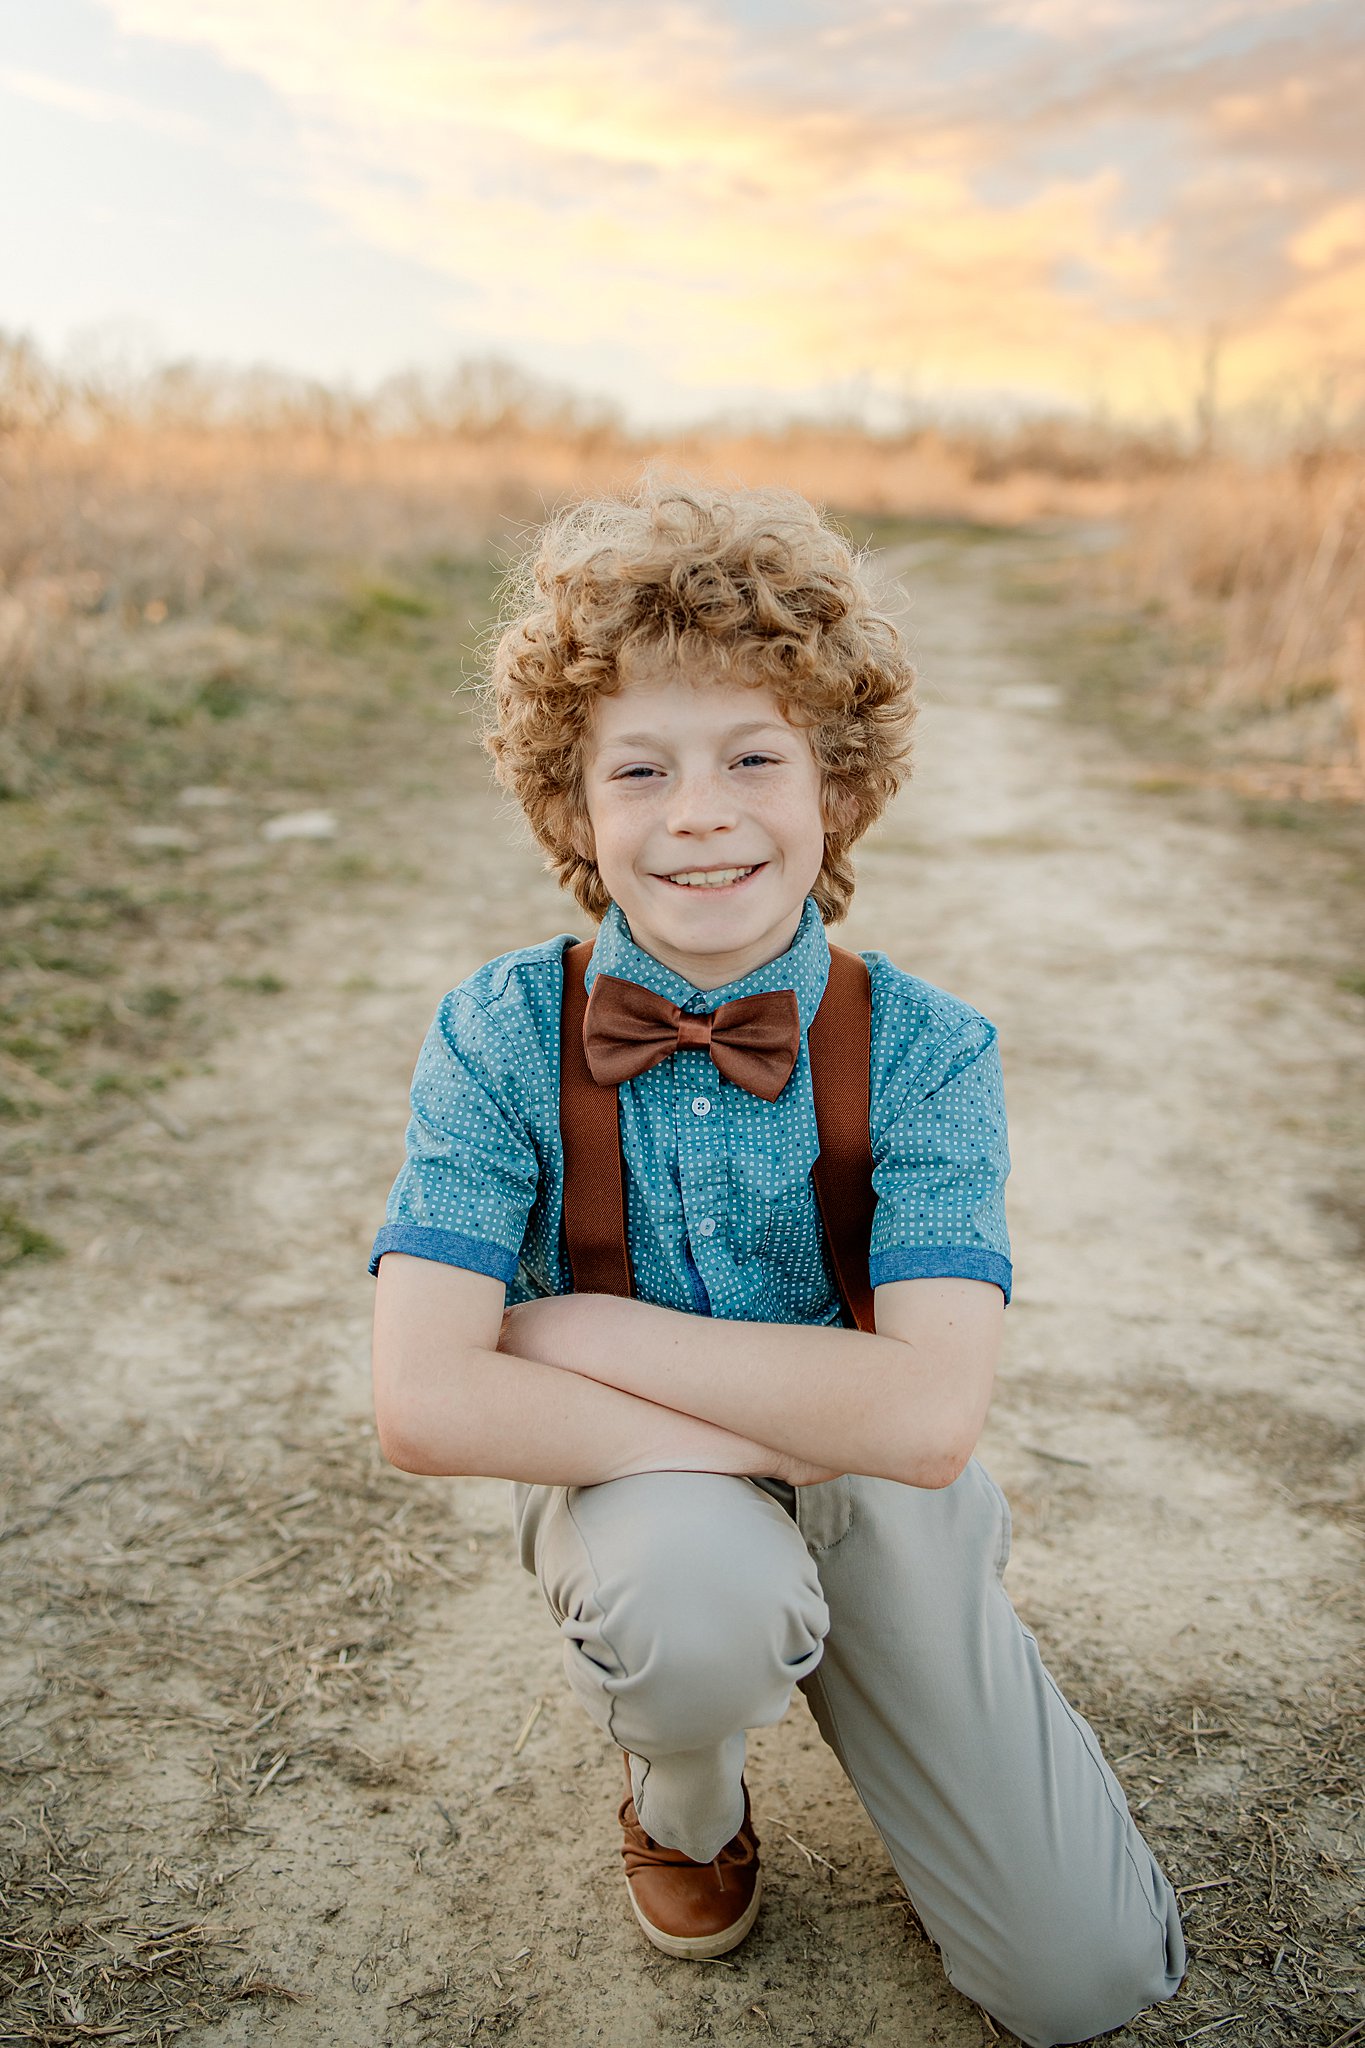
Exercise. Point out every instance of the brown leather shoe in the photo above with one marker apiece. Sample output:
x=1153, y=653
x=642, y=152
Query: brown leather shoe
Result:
x=691, y=1909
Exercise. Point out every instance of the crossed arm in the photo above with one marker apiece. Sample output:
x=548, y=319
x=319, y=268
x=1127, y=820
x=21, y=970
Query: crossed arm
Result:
x=579, y=1389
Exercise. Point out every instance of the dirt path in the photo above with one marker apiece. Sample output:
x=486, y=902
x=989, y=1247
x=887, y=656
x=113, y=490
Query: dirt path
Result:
x=275, y=1694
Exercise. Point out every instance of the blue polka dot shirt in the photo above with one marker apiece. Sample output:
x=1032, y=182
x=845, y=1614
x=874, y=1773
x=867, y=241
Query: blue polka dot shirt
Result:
x=721, y=1214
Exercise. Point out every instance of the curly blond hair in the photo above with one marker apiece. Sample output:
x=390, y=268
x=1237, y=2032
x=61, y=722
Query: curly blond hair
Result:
x=748, y=583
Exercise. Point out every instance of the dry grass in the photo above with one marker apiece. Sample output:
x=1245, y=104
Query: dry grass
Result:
x=116, y=543
x=1256, y=1807
x=188, y=1621
x=1266, y=568
x=136, y=569
x=194, y=1634
x=137, y=882
x=142, y=519
x=146, y=524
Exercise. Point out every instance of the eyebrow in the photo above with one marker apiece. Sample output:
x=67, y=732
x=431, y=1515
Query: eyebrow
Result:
x=731, y=734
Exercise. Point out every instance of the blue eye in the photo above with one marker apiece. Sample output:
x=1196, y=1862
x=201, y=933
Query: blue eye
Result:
x=756, y=761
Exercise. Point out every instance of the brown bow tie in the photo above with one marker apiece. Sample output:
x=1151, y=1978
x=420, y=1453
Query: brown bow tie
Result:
x=753, y=1041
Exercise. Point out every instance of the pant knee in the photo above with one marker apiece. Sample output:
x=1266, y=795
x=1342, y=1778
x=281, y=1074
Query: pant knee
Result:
x=682, y=1695
x=695, y=1642
x=1083, y=1982
x=698, y=1675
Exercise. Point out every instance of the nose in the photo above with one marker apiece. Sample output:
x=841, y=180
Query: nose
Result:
x=701, y=802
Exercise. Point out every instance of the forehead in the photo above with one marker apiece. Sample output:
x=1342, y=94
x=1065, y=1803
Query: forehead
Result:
x=658, y=693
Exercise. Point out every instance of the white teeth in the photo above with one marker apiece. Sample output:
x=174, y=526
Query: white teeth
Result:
x=709, y=878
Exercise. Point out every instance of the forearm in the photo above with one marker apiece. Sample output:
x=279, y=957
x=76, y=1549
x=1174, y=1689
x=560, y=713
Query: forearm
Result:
x=844, y=1399
x=483, y=1413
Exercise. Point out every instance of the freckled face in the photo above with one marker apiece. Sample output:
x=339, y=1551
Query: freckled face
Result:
x=706, y=815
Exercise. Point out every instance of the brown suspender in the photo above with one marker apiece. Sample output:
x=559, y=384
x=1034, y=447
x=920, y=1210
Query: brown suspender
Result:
x=594, y=1171
x=840, y=1043
x=839, y=1039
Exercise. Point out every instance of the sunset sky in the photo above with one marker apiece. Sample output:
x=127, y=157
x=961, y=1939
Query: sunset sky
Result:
x=705, y=203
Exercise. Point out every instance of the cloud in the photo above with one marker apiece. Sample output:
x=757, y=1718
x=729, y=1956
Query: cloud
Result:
x=1339, y=233
x=92, y=103
x=1044, y=193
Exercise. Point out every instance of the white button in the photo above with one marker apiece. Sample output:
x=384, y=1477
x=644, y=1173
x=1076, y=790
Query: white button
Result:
x=707, y=1227
x=700, y=1106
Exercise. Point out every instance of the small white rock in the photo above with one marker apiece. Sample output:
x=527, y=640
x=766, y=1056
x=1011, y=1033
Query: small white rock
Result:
x=301, y=825
x=206, y=796
x=1029, y=697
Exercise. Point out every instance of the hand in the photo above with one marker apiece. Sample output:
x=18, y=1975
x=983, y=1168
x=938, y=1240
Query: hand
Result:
x=799, y=1471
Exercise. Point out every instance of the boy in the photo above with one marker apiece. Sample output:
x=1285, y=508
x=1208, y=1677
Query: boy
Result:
x=723, y=1488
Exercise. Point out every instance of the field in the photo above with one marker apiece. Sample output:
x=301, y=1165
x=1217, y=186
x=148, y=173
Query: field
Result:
x=287, y=1751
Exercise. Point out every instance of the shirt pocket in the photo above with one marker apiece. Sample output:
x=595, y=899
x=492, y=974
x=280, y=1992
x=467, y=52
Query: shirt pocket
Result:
x=796, y=1270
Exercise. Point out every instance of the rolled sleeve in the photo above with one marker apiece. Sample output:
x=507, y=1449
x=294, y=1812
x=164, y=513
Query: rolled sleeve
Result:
x=467, y=1185
x=940, y=1169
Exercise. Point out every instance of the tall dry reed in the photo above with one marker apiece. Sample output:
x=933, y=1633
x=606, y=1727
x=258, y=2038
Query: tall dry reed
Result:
x=141, y=515
x=1268, y=562
x=110, y=535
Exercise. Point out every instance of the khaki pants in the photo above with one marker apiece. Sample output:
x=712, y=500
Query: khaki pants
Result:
x=690, y=1605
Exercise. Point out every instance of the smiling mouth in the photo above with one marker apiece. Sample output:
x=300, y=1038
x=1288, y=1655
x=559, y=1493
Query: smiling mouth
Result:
x=710, y=878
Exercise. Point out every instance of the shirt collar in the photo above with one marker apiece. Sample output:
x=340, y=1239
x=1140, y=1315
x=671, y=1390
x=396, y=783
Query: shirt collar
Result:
x=803, y=968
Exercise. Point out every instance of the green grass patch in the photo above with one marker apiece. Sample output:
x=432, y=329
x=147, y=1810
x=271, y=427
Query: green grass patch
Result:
x=266, y=984
x=37, y=1024
x=47, y=952
x=317, y=681
x=887, y=530
x=31, y=873
x=1161, y=785
x=381, y=612
x=1280, y=817
x=1020, y=588
x=108, y=1083
x=225, y=696
x=351, y=867
x=156, y=1001
x=20, y=1239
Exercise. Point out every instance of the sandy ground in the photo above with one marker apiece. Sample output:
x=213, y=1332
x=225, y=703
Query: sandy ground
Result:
x=287, y=1731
